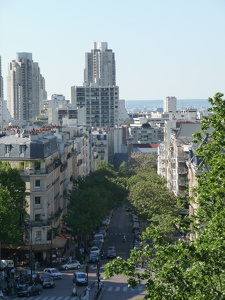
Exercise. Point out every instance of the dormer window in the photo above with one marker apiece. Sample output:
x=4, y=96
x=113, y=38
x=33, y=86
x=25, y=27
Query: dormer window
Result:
x=22, y=149
x=7, y=148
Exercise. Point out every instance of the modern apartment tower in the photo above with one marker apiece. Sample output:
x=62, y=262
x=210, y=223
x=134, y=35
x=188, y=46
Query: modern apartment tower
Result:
x=97, y=100
x=24, y=87
x=100, y=66
x=1, y=82
x=170, y=104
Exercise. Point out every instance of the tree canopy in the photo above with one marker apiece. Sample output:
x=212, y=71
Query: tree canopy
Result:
x=92, y=197
x=189, y=268
x=12, y=204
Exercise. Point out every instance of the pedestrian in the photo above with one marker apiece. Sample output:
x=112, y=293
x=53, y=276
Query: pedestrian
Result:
x=12, y=272
x=3, y=275
x=6, y=276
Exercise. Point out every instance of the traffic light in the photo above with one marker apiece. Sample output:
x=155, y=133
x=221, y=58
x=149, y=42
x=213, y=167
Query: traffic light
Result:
x=98, y=265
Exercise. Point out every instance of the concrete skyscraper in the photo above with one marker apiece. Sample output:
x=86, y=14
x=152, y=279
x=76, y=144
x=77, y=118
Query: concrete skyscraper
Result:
x=100, y=66
x=97, y=100
x=1, y=81
x=24, y=87
x=170, y=104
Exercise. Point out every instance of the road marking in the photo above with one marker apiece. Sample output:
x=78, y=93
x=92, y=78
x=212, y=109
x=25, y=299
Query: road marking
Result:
x=125, y=288
x=110, y=289
x=117, y=289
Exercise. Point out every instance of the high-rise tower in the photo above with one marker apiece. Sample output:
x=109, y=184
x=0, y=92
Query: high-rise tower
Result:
x=170, y=104
x=1, y=81
x=98, y=99
x=24, y=91
x=100, y=66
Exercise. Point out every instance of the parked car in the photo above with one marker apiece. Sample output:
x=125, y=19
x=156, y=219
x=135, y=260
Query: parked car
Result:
x=111, y=248
x=99, y=237
x=54, y=273
x=35, y=289
x=95, y=249
x=72, y=264
x=93, y=258
x=103, y=232
x=111, y=253
x=40, y=276
x=98, y=244
x=48, y=282
x=80, y=278
x=135, y=227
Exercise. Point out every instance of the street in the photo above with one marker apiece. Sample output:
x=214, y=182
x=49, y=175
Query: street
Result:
x=116, y=287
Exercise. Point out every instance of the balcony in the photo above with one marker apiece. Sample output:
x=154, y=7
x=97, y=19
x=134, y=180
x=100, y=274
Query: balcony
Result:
x=182, y=170
x=182, y=182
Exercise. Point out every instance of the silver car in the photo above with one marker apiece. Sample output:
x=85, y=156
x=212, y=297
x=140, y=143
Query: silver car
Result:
x=54, y=273
x=72, y=264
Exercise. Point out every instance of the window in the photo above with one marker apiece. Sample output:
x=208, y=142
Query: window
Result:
x=22, y=149
x=37, y=235
x=7, y=148
x=37, y=183
x=37, y=217
x=37, y=200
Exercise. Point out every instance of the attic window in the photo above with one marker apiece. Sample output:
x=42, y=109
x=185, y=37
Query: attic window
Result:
x=8, y=148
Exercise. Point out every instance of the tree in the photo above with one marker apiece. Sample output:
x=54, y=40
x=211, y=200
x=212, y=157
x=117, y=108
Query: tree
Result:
x=12, y=204
x=149, y=195
x=190, y=269
x=92, y=197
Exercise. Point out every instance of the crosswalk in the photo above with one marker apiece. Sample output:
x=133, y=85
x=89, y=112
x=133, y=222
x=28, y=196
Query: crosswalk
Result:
x=124, y=289
x=43, y=298
x=113, y=289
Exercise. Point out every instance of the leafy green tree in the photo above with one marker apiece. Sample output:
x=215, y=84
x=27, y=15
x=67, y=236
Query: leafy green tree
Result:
x=92, y=197
x=12, y=204
x=149, y=195
x=189, y=269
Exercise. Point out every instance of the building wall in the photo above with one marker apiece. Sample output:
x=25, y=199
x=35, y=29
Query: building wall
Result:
x=100, y=66
x=47, y=165
x=98, y=105
x=25, y=87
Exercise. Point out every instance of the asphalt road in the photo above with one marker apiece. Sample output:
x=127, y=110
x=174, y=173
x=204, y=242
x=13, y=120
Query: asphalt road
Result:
x=116, y=288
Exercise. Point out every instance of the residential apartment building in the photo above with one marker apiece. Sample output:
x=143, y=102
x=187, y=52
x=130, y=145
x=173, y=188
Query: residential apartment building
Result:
x=1, y=82
x=26, y=87
x=58, y=109
x=100, y=66
x=47, y=160
x=97, y=106
x=99, y=147
x=174, y=153
x=170, y=104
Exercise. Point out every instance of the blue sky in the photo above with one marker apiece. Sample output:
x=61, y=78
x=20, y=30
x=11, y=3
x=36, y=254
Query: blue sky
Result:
x=162, y=47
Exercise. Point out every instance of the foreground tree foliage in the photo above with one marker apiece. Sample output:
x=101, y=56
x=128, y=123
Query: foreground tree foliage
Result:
x=12, y=204
x=92, y=197
x=189, y=269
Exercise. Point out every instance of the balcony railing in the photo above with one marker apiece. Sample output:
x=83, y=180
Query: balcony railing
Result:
x=182, y=170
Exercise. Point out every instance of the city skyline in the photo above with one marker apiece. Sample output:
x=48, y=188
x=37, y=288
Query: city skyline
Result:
x=163, y=48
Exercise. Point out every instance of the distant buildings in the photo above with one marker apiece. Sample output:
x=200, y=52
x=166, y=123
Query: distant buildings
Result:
x=26, y=87
x=1, y=82
x=170, y=104
x=100, y=66
x=97, y=100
